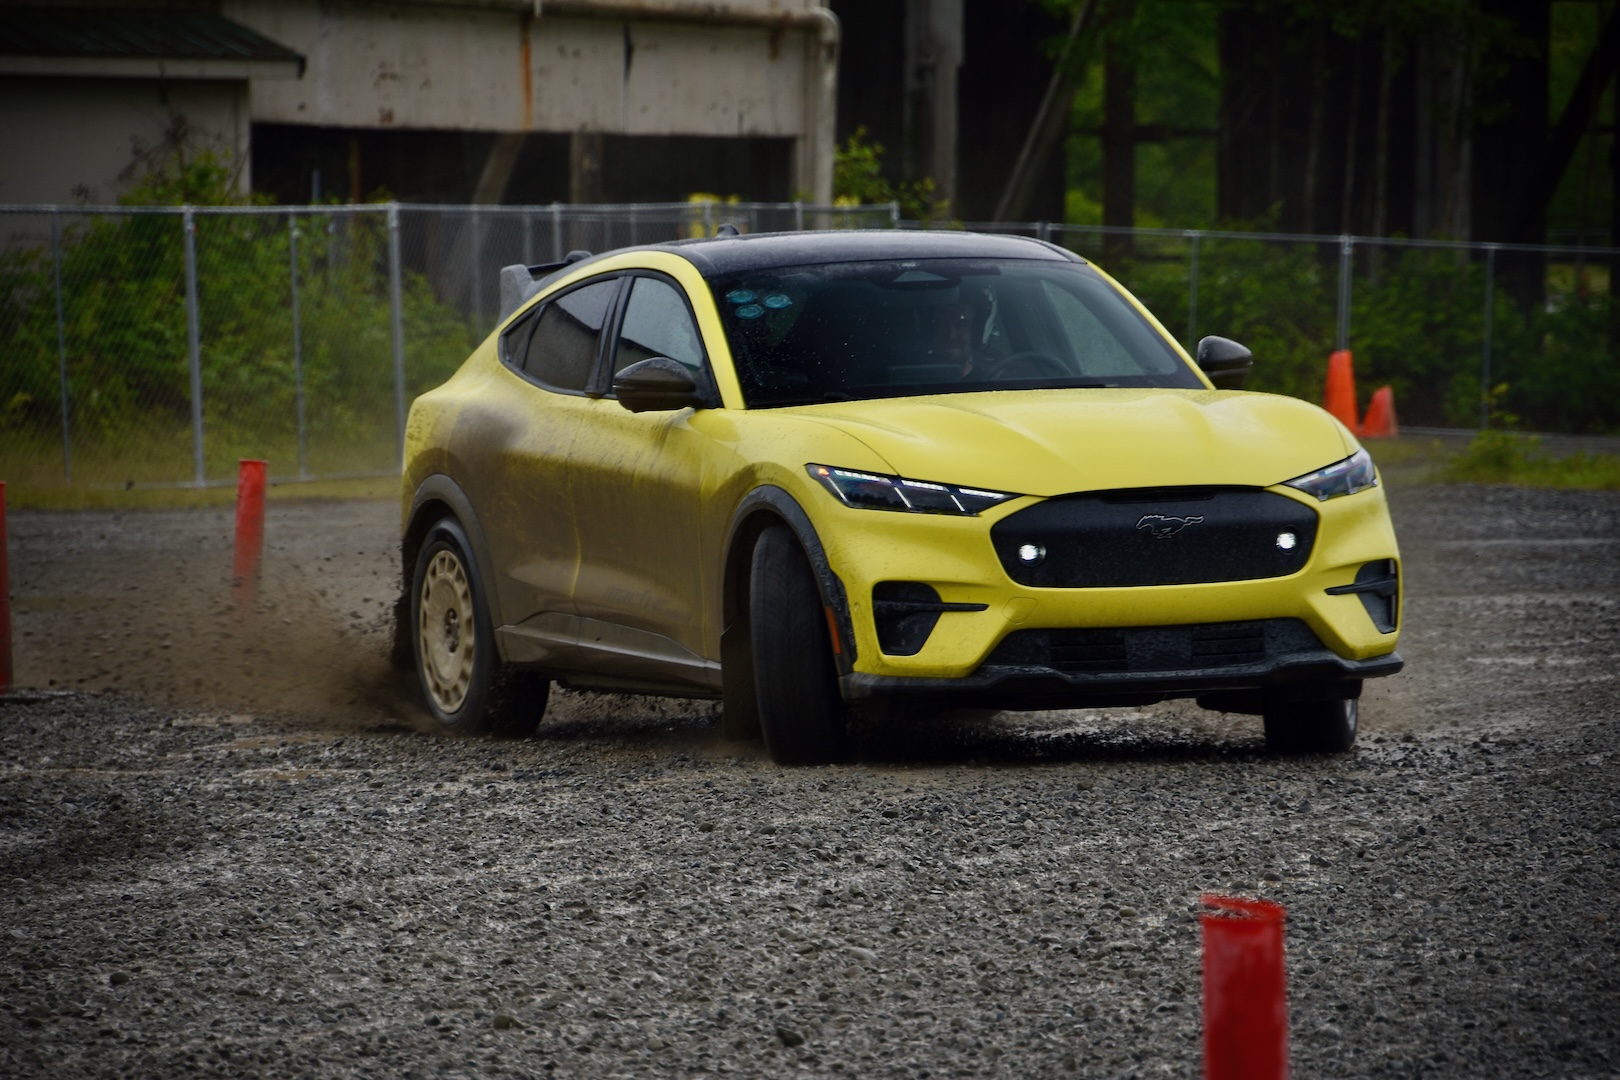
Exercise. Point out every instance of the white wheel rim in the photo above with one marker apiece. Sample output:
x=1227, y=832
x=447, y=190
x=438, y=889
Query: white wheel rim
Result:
x=444, y=631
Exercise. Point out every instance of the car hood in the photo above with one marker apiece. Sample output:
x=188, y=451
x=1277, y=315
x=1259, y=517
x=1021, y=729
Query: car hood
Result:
x=1050, y=442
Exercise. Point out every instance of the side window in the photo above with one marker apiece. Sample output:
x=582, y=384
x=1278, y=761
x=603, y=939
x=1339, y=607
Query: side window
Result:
x=563, y=348
x=658, y=323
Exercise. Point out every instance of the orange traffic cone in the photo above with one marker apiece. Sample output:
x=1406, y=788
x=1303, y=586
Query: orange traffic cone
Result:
x=1380, y=422
x=1340, y=398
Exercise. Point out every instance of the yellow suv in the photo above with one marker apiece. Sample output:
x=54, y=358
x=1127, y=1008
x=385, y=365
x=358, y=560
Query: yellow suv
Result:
x=814, y=472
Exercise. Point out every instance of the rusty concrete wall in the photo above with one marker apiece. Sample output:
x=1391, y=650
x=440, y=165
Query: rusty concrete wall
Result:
x=618, y=67
x=76, y=140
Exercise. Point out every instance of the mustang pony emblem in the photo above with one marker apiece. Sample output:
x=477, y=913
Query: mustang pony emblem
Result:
x=1163, y=528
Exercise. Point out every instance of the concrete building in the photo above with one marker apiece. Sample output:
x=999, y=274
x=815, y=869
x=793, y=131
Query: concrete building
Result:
x=446, y=100
x=87, y=96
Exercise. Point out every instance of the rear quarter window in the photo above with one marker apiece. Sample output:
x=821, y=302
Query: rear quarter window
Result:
x=559, y=345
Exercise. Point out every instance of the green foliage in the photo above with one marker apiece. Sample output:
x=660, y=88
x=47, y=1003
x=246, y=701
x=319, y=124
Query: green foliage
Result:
x=858, y=178
x=124, y=333
x=1276, y=299
x=1417, y=324
x=1503, y=457
x=1172, y=46
x=179, y=179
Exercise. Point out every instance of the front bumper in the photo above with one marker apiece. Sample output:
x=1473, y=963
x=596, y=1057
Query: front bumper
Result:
x=981, y=610
x=1228, y=662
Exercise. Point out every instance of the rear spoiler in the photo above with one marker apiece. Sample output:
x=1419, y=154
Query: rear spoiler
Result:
x=519, y=282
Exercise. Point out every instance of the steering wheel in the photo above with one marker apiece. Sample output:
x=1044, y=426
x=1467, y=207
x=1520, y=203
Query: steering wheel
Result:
x=1032, y=364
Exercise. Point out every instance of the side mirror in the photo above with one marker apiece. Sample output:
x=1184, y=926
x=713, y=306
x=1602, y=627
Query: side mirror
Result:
x=658, y=384
x=1225, y=362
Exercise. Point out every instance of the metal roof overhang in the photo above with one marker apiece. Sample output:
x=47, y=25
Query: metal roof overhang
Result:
x=130, y=67
x=90, y=43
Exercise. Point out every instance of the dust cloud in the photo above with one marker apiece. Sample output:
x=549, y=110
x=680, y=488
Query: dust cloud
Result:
x=144, y=603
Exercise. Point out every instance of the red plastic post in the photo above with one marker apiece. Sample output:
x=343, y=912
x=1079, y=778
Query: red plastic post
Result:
x=249, y=528
x=5, y=598
x=1245, y=989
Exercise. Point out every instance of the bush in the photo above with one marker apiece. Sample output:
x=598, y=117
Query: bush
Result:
x=1417, y=325
x=124, y=328
x=1504, y=457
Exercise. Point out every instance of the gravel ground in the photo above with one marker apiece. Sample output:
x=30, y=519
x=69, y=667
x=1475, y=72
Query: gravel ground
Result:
x=230, y=846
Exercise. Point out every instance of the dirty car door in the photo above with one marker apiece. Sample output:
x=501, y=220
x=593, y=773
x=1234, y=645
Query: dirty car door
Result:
x=525, y=501
x=636, y=481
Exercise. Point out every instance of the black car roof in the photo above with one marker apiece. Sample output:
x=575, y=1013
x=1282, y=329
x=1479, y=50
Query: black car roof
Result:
x=740, y=253
x=718, y=255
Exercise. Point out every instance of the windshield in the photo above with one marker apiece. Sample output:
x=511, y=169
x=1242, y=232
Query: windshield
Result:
x=848, y=331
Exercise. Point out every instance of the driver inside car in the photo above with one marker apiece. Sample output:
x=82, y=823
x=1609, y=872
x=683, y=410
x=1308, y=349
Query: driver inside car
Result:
x=948, y=337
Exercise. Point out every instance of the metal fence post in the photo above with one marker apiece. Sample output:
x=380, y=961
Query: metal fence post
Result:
x=556, y=233
x=475, y=250
x=798, y=215
x=1347, y=249
x=1485, y=353
x=894, y=213
x=61, y=344
x=194, y=346
x=1043, y=230
x=1193, y=236
x=298, y=345
x=397, y=305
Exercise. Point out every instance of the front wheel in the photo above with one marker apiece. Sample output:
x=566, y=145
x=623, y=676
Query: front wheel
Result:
x=801, y=713
x=463, y=681
x=1312, y=727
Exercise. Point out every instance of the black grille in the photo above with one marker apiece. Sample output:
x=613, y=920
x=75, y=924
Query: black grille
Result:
x=1167, y=536
x=1194, y=647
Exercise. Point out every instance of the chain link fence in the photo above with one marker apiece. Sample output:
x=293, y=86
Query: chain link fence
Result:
x=157, y=346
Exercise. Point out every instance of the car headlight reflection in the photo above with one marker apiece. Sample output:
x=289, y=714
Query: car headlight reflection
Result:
x=1355, y=473
x=876, y=491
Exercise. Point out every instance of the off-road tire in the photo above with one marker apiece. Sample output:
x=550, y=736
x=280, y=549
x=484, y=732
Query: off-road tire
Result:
x=1312, y=727
x=801, y=713
x=464, y=684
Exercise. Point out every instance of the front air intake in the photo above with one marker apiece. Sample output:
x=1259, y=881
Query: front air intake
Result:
x=905, y=613
x=1378, y=584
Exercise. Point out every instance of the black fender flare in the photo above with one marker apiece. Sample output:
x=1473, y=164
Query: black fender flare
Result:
x=761, y=508
x=747, y=519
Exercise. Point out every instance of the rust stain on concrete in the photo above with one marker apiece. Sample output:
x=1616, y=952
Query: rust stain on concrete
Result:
x=524, y=45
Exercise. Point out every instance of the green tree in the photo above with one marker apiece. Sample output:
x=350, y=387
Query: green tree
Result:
x=858, y=178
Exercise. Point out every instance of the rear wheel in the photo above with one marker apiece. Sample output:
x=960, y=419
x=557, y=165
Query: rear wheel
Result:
x=801, y=714
x=1312, y=727
x=463, y=681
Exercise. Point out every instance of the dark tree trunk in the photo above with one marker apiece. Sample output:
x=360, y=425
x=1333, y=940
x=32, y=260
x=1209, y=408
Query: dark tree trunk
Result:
x=1380, y=178
x=1051, y=121
x=1352, y=126
x=1004, y=76
x=1386, y=79
x=1119, y=150
x=1509, y=147
x=1313, y=131
x=1575, y=121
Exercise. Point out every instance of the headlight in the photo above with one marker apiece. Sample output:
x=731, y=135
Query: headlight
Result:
x=1355, y=473
x=874, y=491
